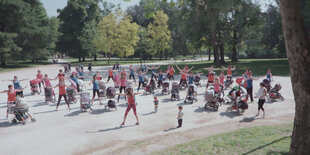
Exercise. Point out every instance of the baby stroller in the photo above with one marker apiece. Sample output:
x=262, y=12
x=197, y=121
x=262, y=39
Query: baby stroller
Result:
x=228, y=82
x=85, y=101
x=34, y=86
x=175, y=92
x=165, y=89
x=102, y=88
x=49, y=95
x=21, y=112
x=150, y=87
x=117, y=82
x=241, y=103
x=234, y=93
x=274, y=93
x=197, y=79
x=146, y=78
x=183, y=85
x=110, y=95
x=71, y=95
x=267, y=85
x=191, y=96
x=241, y=82
x=213, y=99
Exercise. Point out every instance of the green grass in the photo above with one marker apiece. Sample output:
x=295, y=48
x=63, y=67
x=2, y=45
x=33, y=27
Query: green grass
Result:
x=20, y=65
x=255, y=140
x=279, y=67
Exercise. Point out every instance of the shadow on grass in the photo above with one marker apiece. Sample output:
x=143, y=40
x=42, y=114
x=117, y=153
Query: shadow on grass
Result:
x=260, y=147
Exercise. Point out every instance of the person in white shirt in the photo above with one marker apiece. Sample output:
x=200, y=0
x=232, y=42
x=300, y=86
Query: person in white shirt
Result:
x=180, y=117
x=262, y=93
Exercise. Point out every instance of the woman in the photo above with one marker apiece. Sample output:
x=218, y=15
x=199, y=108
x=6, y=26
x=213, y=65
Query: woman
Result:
x=249, y=87
x=74, y=77
x=95, y=83
x=160, y=78
x=110, y=74
x=132, y=73
x=210, y=76
x=123, y=85
x=261, y=94
x=131, y=104
x=153, y=69
x=40, y=77
x=12, y=93
x=62, y=92
x=17, y=86
x=171, y=73
x=183, y=77
x=191, y=78
x=90, y=67
x=141, y=79
x=269, y=75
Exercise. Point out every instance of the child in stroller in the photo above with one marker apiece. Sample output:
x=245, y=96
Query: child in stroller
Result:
x=191, y=94
x=21, y=112
x=111, y=95
x=213, y=96
x=241, y=103
x=175, y=92
x=165, y=89
x=71, y=93
x=274, y=94
x=85, y=101
x=150, y=87
x=197, y=79
x=34, y=86
x=235, y=92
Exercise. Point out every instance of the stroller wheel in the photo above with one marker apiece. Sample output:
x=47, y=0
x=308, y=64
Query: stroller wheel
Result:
x=216, y=107
x=229, y=109
x=14, y=121
x=206, y=106
x=282, y=98
x=33, y=120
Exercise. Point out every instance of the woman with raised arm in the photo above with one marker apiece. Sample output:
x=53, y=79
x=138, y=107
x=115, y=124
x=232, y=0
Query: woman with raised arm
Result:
x=153, y=69
x=141, y=79
x=16, y=84
x=131, y=105
x=62, y=92
x=12, y=93
x=132, y=72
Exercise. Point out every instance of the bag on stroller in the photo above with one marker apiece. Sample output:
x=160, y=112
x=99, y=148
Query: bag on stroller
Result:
x=85, y=101
x=165, y=89
x=110, y=95
x=71, y=95
x=191, y=94
x=197, y=79
x=150, y=87
x=213, y=100
x=241, y=103
x=102, y=88
x=175, y=91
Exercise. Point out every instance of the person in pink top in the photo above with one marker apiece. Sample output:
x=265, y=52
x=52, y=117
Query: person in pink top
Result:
x=40, y=78
x=217, y=85
x=47, y=82
x=116, y=80
x=131, y=105
x=123, y=82
x=222, y=79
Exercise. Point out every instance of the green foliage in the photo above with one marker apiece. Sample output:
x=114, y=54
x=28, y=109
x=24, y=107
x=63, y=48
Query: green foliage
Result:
x=117, y=35
x=8, y=48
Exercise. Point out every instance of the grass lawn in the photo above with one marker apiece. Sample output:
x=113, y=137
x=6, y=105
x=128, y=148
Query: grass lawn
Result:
x=258, y=66
x=255, y=140
x=12, y=67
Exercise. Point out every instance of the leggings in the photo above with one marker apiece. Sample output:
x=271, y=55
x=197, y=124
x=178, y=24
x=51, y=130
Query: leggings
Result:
x=183, y=81
x=133, y=76
x=180, y=122
x=59, y=98
x=250, y=92
x=261, y=104
x=211, y=82
x=133, y=106
x=171, y=77
x=40, y=83
x=140, y=85
x=153, y=75
x=110, y=77
x=120, y=91
x=94, y=93
x=159, y=83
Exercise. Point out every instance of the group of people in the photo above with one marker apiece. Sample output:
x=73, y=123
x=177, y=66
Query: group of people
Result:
x=119, y=77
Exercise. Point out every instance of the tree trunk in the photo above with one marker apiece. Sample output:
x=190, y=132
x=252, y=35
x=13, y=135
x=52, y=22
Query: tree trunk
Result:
x=95, y=57
x=234, y=49
x=298, y=53
x=83, y=59
x=160, y=55
x=80, y=59
x=3, y=64
x=209, y=52
x=215, y=49
x=222, y=53
x=109, y=58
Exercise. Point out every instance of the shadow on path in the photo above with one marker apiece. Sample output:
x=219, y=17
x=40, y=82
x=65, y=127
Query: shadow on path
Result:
x=110, y=129
x=170, y=129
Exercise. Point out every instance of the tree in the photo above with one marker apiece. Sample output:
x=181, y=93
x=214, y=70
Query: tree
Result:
x=86, y=39
x=158, y=34
x=117, y=35
x=73, y=19
x=8, y=48
x=298, y=53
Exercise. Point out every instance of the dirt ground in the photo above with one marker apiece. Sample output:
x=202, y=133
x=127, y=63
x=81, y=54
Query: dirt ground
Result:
x=98, y=132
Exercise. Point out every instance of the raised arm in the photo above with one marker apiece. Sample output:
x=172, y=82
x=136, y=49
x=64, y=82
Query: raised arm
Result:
x=158, y=67
x=5, y=91
x=178, y=68
x=23, y=79
x=191, y=68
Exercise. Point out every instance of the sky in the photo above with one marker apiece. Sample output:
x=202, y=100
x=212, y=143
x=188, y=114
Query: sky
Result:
x=51, y=6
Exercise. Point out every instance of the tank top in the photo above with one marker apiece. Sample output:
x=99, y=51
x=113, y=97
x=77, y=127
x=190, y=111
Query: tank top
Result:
x=40, y=76
x=61, y=76
x=132, y=72
x=229, y=72
x=74, y=78
x=160, y=77
x=98, y=77
x=210, y=77
x=268, y=76
x=153, y=71
x=216, y=87
x=131, y=100
x=222, y=78
x=171, y=71
x=62, y=90
x=183, y=76
x=47, y=82
x=12, y=96
x=141, y=79
x=123, y=82
x=16, y=85
x=249, y=83
x=190, y=79
x=110, y=73
x=95, y=85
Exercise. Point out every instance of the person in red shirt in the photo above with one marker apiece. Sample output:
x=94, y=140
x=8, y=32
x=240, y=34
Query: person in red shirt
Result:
x=110, y=74
x=60, y=75
x=40, y=79
x=11, y=96
x=171, y=72
x=62, y=92
x=98, y=76
x=183, y=77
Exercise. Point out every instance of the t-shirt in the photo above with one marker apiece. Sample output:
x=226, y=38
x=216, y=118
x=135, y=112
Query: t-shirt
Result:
x=171, y=71
x=47, y=82
x=141, y=79
x=11, y=96
x=123, y=82
x=216, y=87
x=60, y=76
x=210, y=77
x=183, y=76
x=190, y=79
x=153, y=71
x=160, y=77
x=222, y=78
x=180, y=114
x=40, y=76
x=62, y=89
x=110, y=73
x=229, y=72
x=16, y=84
x=261, y=92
